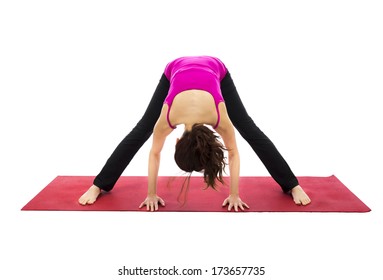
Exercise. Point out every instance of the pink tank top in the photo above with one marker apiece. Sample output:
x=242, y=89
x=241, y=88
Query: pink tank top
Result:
x=195, y=72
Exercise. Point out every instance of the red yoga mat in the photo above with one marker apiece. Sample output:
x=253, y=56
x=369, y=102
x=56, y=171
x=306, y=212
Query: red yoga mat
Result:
x=262, y=194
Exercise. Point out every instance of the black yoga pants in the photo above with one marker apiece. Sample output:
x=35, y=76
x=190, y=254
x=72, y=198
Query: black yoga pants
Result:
x=260, y=143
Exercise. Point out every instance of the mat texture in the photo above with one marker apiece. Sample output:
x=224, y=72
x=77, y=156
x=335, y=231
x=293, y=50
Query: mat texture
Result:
x=262, y=194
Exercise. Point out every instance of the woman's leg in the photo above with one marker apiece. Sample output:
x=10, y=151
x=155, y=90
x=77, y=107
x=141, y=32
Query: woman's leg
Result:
x=260, y=143
x=130, y=145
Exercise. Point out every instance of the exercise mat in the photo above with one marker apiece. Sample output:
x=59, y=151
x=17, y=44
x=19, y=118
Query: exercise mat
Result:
x=262, y=194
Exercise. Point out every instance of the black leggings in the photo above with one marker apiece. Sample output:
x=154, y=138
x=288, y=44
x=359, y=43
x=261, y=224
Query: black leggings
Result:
x=261, y=144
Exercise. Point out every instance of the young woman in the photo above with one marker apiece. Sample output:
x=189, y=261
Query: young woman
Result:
x=196, y=91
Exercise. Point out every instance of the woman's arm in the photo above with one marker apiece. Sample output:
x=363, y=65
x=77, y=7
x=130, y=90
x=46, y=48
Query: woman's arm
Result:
x=160, y=132
x=227, y=132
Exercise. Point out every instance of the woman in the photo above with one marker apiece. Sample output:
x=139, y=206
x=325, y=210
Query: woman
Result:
x=196, y=91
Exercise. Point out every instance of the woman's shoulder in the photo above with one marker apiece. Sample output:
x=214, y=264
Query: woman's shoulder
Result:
x=162, y=125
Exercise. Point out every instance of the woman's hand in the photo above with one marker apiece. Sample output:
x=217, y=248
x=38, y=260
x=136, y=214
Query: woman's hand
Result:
x=234, y=201
x=151, y=202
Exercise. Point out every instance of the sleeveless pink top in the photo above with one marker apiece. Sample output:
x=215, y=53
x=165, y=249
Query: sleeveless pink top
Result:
x=195, y=72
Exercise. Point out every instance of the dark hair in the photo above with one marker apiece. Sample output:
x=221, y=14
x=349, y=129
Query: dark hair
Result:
x=200, y=150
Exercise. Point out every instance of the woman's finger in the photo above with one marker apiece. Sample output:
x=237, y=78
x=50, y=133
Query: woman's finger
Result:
x=230, y=206
x=225, y=202
x=161, y=201
x=241, y=206
x=151, y=206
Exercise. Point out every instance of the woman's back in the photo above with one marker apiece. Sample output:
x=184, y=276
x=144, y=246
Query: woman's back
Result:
x=193, y=106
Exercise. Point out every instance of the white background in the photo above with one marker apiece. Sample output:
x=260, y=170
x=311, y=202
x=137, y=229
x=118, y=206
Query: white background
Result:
x=75, y=76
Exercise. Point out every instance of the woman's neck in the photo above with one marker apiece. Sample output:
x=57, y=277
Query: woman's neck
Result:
x=188, y=126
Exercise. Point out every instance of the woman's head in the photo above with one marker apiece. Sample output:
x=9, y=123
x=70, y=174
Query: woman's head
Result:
x=200, y=150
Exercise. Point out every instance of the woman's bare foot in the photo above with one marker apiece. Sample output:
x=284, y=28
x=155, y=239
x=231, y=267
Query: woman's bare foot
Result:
x=90, y=196
x=299, y=196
